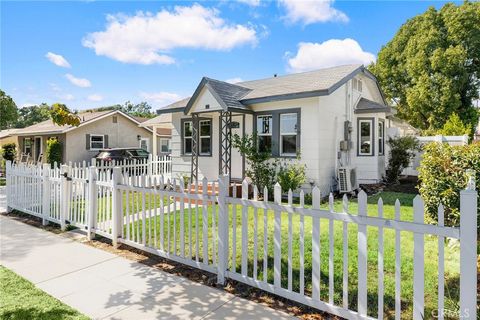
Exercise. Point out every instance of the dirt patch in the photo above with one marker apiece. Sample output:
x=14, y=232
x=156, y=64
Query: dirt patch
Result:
x=405, y=185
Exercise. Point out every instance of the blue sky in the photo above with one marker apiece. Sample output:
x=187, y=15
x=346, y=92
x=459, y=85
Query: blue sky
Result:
x=96, y=53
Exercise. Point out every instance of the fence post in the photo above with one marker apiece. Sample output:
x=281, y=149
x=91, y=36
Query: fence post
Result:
x=92, y=202
x=150, y=165
x=468, y=253
x=93, y=162
x=223, y=182
x=116, y=206
x=64, y=192
x=45, y=193
x=8, y=176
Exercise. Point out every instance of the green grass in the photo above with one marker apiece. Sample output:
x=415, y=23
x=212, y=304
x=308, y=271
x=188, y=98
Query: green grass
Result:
x=171, y=225
x=21, y=300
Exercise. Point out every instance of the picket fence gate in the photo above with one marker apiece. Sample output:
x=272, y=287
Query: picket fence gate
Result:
x=196, y=225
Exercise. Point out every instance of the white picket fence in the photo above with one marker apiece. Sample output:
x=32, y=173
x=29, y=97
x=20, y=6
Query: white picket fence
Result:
x=207, y=226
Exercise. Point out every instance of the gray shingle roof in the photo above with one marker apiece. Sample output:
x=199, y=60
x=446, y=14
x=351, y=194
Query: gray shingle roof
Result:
x=230, y=94
x=366, y=106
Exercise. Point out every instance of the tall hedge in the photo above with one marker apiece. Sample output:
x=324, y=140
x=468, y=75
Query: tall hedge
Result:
x=54, y=151
x=442, y=176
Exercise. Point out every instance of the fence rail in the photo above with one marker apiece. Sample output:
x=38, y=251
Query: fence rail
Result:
x=274, y=246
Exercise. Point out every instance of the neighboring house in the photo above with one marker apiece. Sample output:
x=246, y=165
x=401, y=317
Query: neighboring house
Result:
x=331, y=118
x=8, y=136
x=97, y=130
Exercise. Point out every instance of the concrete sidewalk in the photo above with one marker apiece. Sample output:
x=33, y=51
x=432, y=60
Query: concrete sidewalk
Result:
x=105, y=286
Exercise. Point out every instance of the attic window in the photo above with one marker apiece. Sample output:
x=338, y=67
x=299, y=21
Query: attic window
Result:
x=357, y=84
x=114, y=119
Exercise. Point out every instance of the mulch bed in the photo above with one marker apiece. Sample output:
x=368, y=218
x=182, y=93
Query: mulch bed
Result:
x=234, y=287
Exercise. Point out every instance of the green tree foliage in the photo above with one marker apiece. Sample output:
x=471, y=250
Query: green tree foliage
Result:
x=9, y=151
x=8, y=111
x=54, y=151
x=442, y=176
x=62, y=116
x=291, y=176
x=32, y=114
x=455, y=127
x=259, y=168
x=142, y=109
x=402, y=151
x=431, y=68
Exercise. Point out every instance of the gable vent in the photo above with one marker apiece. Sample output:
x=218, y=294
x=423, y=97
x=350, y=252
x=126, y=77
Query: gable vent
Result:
x=114, y=119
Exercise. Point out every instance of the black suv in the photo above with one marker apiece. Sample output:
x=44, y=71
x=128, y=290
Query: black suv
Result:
x=121, y=154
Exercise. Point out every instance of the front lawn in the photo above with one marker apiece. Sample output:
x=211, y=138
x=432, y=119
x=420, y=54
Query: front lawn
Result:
x=171, y=227
x=21, y=300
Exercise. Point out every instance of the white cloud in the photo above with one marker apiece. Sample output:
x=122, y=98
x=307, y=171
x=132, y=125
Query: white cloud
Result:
x=330, y=53
x=57, y=60
x=253, y=3
x=312, y=11
x=67, y=96
x=147, y=38
x=234, y=80
x=79, y=82
x=95, y=97
x=160, y=98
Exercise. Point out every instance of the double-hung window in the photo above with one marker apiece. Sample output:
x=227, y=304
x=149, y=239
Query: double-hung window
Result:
x=96, y=141
x=381, y=138
x=205, y=137
x=264, y=132
x=165, y=145
x=187, y=137
x=365, y=137
x=288, y=134
x=27, y=146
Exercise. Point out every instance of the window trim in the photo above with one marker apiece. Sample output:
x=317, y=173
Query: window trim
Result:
x=382, y=138
x=370, y=120
x=276, y=129
x=182, y=135
x=103, y=141
x=283, y=154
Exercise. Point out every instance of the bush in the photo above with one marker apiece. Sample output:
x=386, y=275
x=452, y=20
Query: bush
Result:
x=402, y=151
x=455, y=127
x=291, y=176
x=442, y=175
x=259, y=168
x=9, y=151
x=54, y=151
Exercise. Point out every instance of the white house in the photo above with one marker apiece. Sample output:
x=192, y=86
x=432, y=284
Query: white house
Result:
x=333, y=118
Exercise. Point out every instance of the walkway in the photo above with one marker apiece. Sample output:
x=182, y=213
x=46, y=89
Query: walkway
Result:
x=105, y=286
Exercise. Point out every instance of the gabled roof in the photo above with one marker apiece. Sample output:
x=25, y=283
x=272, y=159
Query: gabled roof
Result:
x=241, y=95
x=368, y=106
x=48, y=127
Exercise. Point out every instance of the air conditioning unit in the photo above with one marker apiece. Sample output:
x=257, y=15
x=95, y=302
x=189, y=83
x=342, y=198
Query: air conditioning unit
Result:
x=347, y=179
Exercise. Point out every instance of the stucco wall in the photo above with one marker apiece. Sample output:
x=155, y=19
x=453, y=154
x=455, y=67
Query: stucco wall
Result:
x=122, y=134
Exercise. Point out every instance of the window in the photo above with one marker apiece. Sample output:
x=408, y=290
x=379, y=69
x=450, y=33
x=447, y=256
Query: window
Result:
x=205, y=137
x=165, y=145
x=187, y=137
x=381, y=138
x=264, y=132
x=144, y=144
x=365, y=137
x=288, y=134
x=96, y=141
x=27, y=146
x=357, y=84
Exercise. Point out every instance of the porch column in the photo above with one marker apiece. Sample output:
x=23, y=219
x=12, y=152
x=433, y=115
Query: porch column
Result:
x=226, y=143
x=154, y=141
x=195, y=139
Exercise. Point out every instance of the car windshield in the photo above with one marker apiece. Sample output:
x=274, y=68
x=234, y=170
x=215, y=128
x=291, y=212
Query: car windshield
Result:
x=138, y=153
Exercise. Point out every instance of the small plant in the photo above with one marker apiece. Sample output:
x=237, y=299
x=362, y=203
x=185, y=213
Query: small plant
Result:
x=9, y=151
x=402, y=151
x=260, y=169
x=186, y=179
x=54, y=151
x=291, y=176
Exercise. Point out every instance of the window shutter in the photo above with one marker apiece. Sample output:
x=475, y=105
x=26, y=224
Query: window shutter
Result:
x=105, y=141
x=87, y=141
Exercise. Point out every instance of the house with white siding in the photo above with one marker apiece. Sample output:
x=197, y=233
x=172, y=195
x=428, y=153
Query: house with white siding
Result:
x=329, y=119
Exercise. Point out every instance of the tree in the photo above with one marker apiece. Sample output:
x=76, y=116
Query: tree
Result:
x=32, y=114
x=402, y=151
x=455, y=127
x=62, y=116
x=54, y=151
x=8, y=111
x=431, y=68
x=142, y=109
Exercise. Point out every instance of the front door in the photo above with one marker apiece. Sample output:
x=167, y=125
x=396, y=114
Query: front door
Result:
x=237, y=159
x=38, y=148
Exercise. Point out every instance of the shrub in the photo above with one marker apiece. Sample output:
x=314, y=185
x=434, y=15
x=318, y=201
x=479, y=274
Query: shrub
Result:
x=402, y=151
x=291, y=176
x=455, y=127
x=442, y=175
x=9, y=151
x=54, y=151
x=259, y=168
